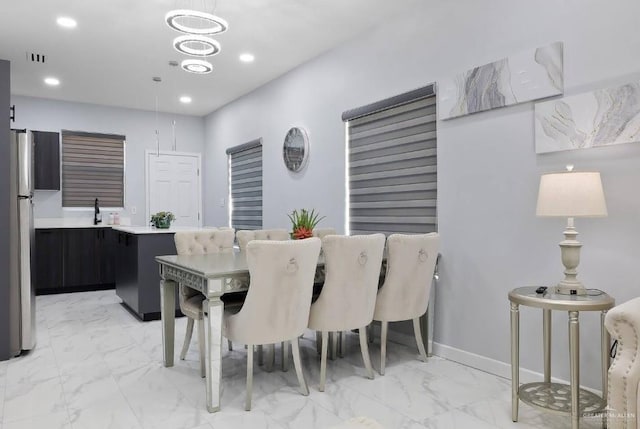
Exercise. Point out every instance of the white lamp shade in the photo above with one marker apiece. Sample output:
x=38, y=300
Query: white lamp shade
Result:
x=571, y=194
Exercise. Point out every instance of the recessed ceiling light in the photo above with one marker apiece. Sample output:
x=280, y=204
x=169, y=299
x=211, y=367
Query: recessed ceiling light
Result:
x=247, y=58
x=196, y=66
x=66, y=22
x=185, y=99
x=51, y=81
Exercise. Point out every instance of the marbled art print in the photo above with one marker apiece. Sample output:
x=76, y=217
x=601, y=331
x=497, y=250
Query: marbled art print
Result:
x=530, y=75
x=599, y=118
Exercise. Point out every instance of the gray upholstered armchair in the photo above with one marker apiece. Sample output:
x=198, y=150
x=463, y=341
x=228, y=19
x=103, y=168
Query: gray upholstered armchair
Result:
x=623, y=322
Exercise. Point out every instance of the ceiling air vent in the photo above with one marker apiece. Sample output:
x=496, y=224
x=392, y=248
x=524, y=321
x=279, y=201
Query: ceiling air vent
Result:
x=35, y=58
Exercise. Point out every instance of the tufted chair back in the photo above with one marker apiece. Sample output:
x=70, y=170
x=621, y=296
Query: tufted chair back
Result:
x=323, y=232
x=623, y=323
x=352, y=270
x=277, y=304
x=245, y=236
x=411, y=261
x=272, y=234
x=200, y=243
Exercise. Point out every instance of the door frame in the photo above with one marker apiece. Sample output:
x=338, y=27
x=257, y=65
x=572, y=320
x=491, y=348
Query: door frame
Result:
x=147, y=157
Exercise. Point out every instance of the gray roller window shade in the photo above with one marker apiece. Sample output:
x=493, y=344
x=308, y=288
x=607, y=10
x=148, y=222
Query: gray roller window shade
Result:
x=393, y=169
x=245, y=185
x=92, y=167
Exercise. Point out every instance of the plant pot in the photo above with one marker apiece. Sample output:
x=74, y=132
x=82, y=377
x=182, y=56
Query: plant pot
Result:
x=162, y=224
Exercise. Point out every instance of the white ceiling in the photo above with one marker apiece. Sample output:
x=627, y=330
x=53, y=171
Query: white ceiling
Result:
x=119, y=45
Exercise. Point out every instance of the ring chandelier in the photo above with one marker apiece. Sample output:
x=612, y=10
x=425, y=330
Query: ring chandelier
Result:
x=197, y=66
x=197, y=46
x=196, y=26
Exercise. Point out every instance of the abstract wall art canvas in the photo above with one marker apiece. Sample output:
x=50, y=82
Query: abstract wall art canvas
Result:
x=599, y=118
x=530, y=75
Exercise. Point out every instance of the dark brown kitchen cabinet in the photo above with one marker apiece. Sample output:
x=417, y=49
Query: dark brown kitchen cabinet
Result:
x=74, y=259
x=81, y=258
x=46, y=160
x=48, y=260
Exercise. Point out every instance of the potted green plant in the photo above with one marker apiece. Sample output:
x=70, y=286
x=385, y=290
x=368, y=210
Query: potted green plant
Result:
x=162, y=219
x=303, y=222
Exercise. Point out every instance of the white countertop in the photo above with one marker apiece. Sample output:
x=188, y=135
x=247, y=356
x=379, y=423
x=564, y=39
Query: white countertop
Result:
x=152, y=230
x=74, y=222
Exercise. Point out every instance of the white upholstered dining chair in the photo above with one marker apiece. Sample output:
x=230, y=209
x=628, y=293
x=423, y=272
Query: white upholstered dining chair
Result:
x=411, y=262
x=623, y=402
x=348, y=296
x=244, y=236
x=276, y=308
x=198, y=243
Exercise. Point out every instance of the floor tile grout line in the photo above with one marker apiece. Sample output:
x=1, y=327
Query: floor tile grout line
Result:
x=66, y=400
x=64, y=394
x=138, y=419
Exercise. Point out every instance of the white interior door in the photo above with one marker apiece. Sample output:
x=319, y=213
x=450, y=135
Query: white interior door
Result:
x=173, y=184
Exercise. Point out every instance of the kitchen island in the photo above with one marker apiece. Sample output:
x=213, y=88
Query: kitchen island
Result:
x=136, y=271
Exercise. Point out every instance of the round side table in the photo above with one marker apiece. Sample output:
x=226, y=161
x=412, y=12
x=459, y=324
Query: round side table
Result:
x=556, y=397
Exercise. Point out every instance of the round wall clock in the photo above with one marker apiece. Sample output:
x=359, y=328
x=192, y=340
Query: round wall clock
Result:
x=295, y=149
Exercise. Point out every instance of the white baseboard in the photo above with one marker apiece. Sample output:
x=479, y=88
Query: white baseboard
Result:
x=483, y=363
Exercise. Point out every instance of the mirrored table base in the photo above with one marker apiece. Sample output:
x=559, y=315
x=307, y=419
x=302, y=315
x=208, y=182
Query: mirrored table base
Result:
x=556, y=397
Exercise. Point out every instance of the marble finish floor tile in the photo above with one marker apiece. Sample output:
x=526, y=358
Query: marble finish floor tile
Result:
x=58, y=420
x=97, y=367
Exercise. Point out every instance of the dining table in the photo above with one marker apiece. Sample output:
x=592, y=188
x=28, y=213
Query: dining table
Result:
x=214, y=275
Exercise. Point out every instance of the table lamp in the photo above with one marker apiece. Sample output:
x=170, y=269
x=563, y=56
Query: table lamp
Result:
x=571, y=194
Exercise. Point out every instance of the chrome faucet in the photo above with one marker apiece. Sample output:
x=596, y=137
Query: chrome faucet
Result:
x=97, y=217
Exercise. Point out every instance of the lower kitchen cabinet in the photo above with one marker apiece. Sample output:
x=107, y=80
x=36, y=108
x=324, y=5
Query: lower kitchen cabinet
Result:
x=137, y=272
x=74, y=259
x=48, y=260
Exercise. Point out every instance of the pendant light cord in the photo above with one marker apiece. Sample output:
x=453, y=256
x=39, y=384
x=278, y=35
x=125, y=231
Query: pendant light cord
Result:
x=157, y=130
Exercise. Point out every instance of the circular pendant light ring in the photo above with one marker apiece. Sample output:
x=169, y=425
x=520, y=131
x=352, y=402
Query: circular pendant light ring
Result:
x=184, y=20
x=195, y=45
x=196, y=66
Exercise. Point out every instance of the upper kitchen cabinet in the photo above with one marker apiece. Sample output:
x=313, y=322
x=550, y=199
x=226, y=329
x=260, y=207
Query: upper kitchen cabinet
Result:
x=46, y=160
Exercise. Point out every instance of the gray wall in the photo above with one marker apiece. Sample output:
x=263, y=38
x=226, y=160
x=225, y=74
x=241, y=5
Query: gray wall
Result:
x=137, y=125
x=4, y=212
x=488, y=169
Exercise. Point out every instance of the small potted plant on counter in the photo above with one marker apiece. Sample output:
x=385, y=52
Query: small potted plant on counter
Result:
x=303, y=222
x=162, y=220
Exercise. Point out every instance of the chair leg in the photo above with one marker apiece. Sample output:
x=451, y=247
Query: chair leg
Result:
x=260, y=357
x=285, y=356
x=298, y=365
x=323, y=360
x=383, y=345
x=187, y=338
x=271, y=355
x=343, y=343
x=202, y=345
x=249, y=393
x=364, y=346
x=416, y=331
x=333, y=337
x=230, y=344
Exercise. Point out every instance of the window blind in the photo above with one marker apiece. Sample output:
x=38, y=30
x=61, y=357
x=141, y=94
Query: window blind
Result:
x=245, y=185
x=392, y=167
x=92, y=167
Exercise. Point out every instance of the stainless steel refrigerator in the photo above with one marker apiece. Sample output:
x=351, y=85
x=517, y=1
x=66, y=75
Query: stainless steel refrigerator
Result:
x=22, y=288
